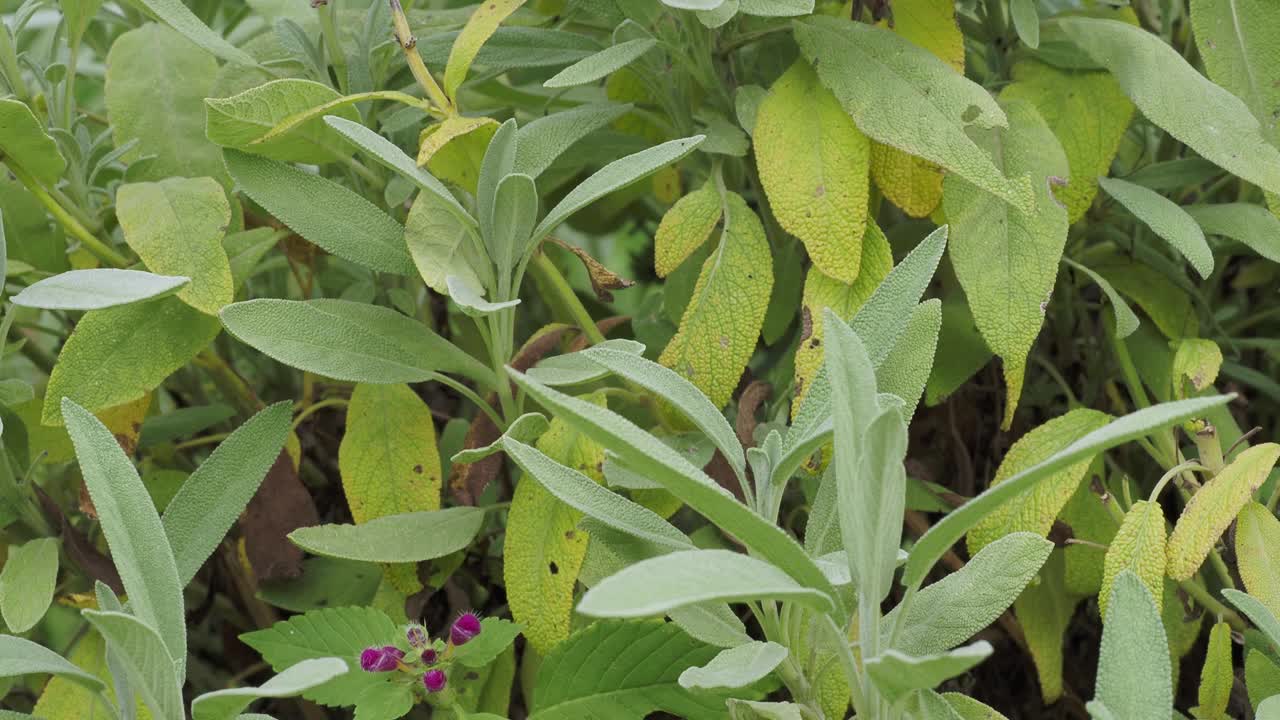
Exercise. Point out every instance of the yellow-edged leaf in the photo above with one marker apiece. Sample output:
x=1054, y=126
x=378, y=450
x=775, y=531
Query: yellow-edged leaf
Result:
x=1139, y=545
x=1257, y=538
x=685, y=227
x=1195, y=361
x=480, y=26
x=452, y=149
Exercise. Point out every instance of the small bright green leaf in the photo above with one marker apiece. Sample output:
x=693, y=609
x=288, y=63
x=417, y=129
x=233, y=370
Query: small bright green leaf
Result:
x=1174, y=96
x=179, y=17
x=905, y=96
x=1126, y=321
x=896, y=674
x=540, y=142
x=735, y=667
x=1257, y=537
x=176, y=227
x=1214, y=506
x=721, y=325
x=1134, y=667
x=1026, y=21
x=1217, y=677
x=1166, y=219
x=388, y=457
x=146, y=659
x=241, y=120
x=435, y=534
x=97, y=289
x=24, y=142
x=813, y=165
x=348, y=341
x=691, y=577
x=1247, y=223
x=227, y=704
x=685, y=227
x=324, y=212
x=591, y=69
x=1138, y=547
x=27, y=583
x=1044, y=611
x=1258, y=613
x=210, y=500
x=480, y=26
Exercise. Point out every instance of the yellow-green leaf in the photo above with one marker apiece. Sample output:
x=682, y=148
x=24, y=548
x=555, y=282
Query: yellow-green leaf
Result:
x=1261, y=677
x=241, y=121
x=1257, y=537
x=64, y=698
x=24, y=143
x=388, y=457
x=1217, y=677
x=912, y=183
x=1035, y=510
x=1089, y=520
x=1195, y=361
x=176, y=227
x=1044, y=611
x=844, y=299
x=1241, y=53
x=1139, y=546
x=1007, y=260
x=719, y=329
x=685, y=227
x=544, y=546
x=969, y=709
x=480, y=26
x=1087, y=111
x=1165, y=303
x=453, y=149
x=1214, y=506
x=813, y=164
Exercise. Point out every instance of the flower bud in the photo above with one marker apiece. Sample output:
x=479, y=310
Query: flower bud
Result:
x=417, y=637
x=434, y=680
x=430, y=656
x=466, y=627
x=383, y=659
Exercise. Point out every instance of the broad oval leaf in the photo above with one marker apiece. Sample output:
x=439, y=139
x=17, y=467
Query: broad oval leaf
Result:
x=388, y=457
x=97, y=289
x=736, y=667
x=27, y=583
x=1139, y=547
x=24, y=142
x=434, y=534
x=240, y=121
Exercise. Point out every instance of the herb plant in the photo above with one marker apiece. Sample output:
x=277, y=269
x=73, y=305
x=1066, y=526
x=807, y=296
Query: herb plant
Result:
x=632, y=358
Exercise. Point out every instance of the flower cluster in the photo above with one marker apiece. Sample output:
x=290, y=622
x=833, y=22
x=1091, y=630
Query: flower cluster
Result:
x=426, y=657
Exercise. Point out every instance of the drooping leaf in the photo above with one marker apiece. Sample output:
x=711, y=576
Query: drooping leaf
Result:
x=240, y=121
x=441, y=244
x=896, y=674
x=97, y=289
x=1166, y=219
x=1138, y=547
x=27, y=583
x=480, y=26
x=1133, y=666
x=735, y=667
x=24, y=142
x=813, y=165
x=1257, y=535
x=1126, y=321
x=227, y=704
x=1247, y=223
x=601, y=64
x=145, y=657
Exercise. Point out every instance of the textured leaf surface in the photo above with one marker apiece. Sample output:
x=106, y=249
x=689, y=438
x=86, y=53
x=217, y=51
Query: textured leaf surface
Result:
x=1214, y=506
x=227, y=704
x=1250, y=224
x=19, y=656
x=145, y=658
x=1217, y=676
x=440, y=244
x=591, y=69
x=897, y=674
x=388, y=457
x=97, y=289
x=1258, y=614
x=720, y=327
x=480, y=26
x=540, y=142
x=685, y=227
x=179, y=17
x=240, y=120
x=735, y=667
x=27, y=583
x=176, y=227
x=1166, y=219
x=813, y=164
x=1257, y=537
x=1139, y=547
x=1044, y=611
x=906, y=368
x=1133, y=666
x=435, y=534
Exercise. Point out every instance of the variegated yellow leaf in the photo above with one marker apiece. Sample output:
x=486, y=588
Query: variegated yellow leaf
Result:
x=1195, y=361
x=452, y=149
x=1138, y=546
x=685, y=227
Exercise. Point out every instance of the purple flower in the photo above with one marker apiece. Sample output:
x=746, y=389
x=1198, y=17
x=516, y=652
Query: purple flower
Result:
x=434, y=680
x=430, y=656
x=383, y=659
x=417, y=636
x=466, y=627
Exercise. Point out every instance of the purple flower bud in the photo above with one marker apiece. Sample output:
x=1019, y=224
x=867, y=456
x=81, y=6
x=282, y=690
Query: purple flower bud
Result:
x=383, y=659
x=430, y=656
x=417, y=637
x=434, y=680
x=466, y=627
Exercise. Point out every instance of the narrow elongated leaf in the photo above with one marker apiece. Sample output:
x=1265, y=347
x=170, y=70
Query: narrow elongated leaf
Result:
x=27, y=583
x=1264, y=619
x=1171, y=94
x=1166, y=219
x=1217, y=677
x=578, y=367
x=241, y=121
x=1257, y=535
x=435, y=534
x=1126, y=321
x=97, y=289
x=348, y=341
x=591, y=69
x=1026, y=21
x=896, y=674
x=133, y=531
x=24, y=142
x=498, y=162
x=1247, y=223
x=1133, y=665
x=906, y=369
x=480, y=26
x=227, y=704
x=736, y=667
x=692, y=577
x=179, y=17
x=19, y=656
x=540, y=142
x=210, y=500
x=515, y=212
x=324, y=212
x=946, y=532
x=146, y=660
x=905, y=96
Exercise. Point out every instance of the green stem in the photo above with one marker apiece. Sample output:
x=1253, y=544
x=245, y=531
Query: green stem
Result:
x=1206, y=599
x=552, y=279
x=475, y=399
x=100, y=250
x=408, y=44
x=229, y=382
x=314, y=407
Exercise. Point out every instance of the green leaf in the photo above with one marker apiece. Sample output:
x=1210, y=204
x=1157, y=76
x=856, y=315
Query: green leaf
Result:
x=245, y=250
x=388, y=458
x=1247, y=223
x=496, y=635
x=324, y=212
x=905, y=370
x=27, y=582
x=1174, y=96
x=540, y=142
x=332, y=632
x=1217, y=677
x=601, y=64
x=227, y=704
x=146, y=659
x=942, y=535
x=515, y=212
x=240, y=121
x=179, y=17
x=721, y=325
x=1026, y=21
x=1126, y=321
x=1257, y=535
x=1133, y=665
x=1044, y=611
x=1258, y=614
x=776, y=8
x=1268, y=709
x=735, y=667
x=175, y=137
x=647, y=454
x=813, y=166
x=441, y=244
x=97, y=289
x=896, y=674
x=435, y=534
x=1166, y=219
x=24, y=142
x=1007, y=259
x=22, y=657
x=950, y=611
x=470, y=298
x=482, y=24
x=1214, y=506
x=498, y=162
x=614, y=176
x=348, y=341
x=577, y=367
x=210, y=500
x=176, y=227
x=625, y=671
x=685, y=227
x=692, y=577
x=133, y=531
x=1138, y=547
x=902, y=95
x=1262, y=677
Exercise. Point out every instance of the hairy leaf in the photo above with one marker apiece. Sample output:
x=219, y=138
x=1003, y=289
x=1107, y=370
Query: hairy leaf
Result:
x=435, y=533
x=1257, y=536
x=97, y=289
x=27, y=583
x=1166, y=219
x=241, y=121
x=1133, y=667
x=1138, y=547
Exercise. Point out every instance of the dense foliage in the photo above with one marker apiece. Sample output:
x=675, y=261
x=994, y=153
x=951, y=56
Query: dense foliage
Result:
x=564, y=359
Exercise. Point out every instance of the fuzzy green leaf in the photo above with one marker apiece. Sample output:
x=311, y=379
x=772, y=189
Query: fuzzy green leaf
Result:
x=1133, y=666
x=1166, y=219
x=97, y=289
x=435, y=534
x=27, y=583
